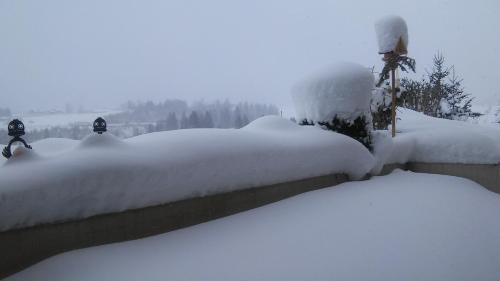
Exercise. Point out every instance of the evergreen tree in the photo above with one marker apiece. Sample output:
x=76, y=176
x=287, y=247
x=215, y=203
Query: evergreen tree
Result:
x=457, y=101
x=381, y=107
x=244, y=120
x=438, y=94
x=208, y=122
x=184, y=124
x=172, y=123
x=436, y=88
x=237, y=120
x=194, y=120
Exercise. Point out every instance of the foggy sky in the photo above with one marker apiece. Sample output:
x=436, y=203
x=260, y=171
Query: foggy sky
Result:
x=100, y=53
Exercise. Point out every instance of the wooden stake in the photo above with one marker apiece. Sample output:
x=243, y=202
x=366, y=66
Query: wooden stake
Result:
x=393, y=105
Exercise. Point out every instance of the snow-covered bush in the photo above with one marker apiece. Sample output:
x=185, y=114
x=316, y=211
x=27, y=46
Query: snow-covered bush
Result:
x=338, y=99
x=381, y=107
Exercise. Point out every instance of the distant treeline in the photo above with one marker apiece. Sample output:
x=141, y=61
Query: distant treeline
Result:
x=146, y=117
x=5, y=112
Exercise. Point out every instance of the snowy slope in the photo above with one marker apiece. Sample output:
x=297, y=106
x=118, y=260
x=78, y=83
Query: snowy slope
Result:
x=423, y=138
x=103, y=174
x=404, y=226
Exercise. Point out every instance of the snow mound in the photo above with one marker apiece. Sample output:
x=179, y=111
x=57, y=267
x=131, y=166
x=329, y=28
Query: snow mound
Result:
x=273, y=123
x=390, y=30
x=51, y=146
x=103, y=174
x=404, y=226
x=423, y=138
x=21, y=155
x=382, y=149
x=103, y=140
x=343, y=89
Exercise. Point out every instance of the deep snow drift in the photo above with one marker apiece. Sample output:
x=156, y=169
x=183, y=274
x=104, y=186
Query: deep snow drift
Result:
x=103, y=174
x=404, y=226
x=422, y=138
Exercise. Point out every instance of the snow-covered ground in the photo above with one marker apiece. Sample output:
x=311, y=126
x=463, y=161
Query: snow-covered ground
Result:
x=422, y=138
x=103, y=174
x=404, y=226
x=490, y=115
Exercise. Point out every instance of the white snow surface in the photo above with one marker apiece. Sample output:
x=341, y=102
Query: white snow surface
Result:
x=47, y=147
x=389, y=30
x=343, y=89
x=103, y=174
x=422, y=138
x=403, y=226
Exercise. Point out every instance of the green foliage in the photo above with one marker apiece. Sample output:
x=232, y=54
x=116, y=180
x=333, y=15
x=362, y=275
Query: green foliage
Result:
x=381, y=107
x=392, y=62
x=359, y=129
x=440, y=93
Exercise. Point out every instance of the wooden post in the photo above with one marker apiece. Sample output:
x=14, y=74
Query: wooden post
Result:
x=393, y=104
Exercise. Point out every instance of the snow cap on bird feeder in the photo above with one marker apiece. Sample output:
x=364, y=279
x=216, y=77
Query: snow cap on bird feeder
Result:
x=392, y=35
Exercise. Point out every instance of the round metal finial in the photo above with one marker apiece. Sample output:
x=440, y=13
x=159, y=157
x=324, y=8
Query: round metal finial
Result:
x=100, y=125
x=16, y=130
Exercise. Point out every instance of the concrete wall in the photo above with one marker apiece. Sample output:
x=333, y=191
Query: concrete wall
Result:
x=24, y=247
x=485, y=175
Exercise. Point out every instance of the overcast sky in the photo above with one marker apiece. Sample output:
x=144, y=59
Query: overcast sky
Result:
x=100, y=53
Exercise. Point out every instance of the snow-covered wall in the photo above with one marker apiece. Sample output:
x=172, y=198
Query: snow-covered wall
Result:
x=103, y=174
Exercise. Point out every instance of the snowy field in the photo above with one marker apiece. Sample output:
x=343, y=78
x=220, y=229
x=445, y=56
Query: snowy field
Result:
x=41, y=121
x=403, y=226
x=103, y=174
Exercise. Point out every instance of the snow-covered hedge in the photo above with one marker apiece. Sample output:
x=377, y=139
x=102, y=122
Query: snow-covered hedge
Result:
x=338, y=99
